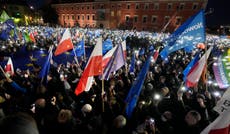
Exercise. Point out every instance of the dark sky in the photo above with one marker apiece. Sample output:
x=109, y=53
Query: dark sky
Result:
x=221, y=13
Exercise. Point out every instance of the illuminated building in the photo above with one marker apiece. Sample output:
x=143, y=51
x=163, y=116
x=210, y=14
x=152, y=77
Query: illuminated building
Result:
x=151, y=15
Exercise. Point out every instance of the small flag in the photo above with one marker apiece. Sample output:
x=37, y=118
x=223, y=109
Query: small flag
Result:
x=9, y=67
x=115, y=63
x=196, y=71
x=65, y=44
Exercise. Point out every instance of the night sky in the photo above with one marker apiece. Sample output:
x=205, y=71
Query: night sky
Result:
x=221, y=13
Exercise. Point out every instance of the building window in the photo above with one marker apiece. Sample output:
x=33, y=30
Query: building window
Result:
x=156, y=6
x=88, y=17
x=119, y=13
x=87, y=7
x=71, y=8
x=112, y=13
x=144, y=19
x=154, y=19
x=128, y=6
x=102, y=6
x=68, y=17
x=137, y=6
x=178, y=20
x=73, y=17
x=135, y=19
x=166, y=19
x=194, y=7
x=82, y=8
x=112, y=6
x=93, y=17
x=146, y=6
x=182, y=6
x=93, y=7
x=169, y=6
x=63, y=17
x=78, y=17
x=83, y=17
x=119, y=6
x=127, y=17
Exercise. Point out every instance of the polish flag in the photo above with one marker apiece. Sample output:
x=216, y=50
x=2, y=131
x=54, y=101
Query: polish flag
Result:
x=65, y=44
x=9, y=68
x=155, y=55
x=196, y=71
x=93, y=68
x=107, y=57
x=32, y=37
x=123, y=43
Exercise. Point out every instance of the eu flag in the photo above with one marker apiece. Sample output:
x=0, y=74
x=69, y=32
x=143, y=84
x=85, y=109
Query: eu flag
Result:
x=135, y=90
x=187, y=36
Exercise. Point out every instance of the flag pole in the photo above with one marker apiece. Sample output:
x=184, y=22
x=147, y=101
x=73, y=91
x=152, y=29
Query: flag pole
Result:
x=102, y=93
x=3, y=71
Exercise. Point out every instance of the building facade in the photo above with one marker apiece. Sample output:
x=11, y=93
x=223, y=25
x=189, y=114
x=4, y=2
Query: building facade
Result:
x=149, y=15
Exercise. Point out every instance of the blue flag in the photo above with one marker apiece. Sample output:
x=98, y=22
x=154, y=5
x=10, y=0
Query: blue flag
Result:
x=190, y=65
x=135, y=90
x=116, y=62
x=7, y=27
x=107, y=45
x=187, y=36
x=132, y=64
x=151, y=48
x=80, y=49
x=141, y=51
x=46, y=67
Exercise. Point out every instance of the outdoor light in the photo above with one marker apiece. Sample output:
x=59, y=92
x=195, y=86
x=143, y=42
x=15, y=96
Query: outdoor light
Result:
x=215, y=64
x=214, y=58
x=209, y=82
x=157, y=97
x=215, y=84
x=216, y=94
x=183, y=88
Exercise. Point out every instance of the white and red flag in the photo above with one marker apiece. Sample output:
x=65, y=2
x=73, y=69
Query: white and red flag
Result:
x=93, y=68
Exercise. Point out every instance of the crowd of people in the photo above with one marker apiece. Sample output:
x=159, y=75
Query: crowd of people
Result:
x=28, y=106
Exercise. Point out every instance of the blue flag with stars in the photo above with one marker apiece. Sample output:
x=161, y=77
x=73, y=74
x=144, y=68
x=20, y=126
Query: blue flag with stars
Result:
x=187, y=36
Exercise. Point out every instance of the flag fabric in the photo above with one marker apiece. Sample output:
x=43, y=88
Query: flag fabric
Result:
x=221, y=125
x=107, y=45
x=115, y=63
x=27, y=37
x=93, y=68
x=226, y=63
x=219, y=74
x=4, y=16
x=107, y=57
x=9, y=68
x=190, y=65
x=32, y=37
x=155, y=55
x=151, y=48
x=46, y=67
x=132, y=64
x=187, y=36
x=141, y=52
x=196, y=71
x=123, y=43
x=8, y=25
x=65, y=44
x=80, y=48
x=135, y=90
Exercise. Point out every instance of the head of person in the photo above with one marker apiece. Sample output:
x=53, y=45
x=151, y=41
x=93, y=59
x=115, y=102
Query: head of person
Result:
x=19, y=123
x=192, y=118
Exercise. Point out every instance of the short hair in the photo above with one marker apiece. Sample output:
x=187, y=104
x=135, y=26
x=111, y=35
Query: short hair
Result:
x=19, y=123
x=195, y=114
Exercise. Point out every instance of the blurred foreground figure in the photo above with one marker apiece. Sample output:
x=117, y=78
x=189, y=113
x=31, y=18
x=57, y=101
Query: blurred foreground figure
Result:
x=18, y=124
